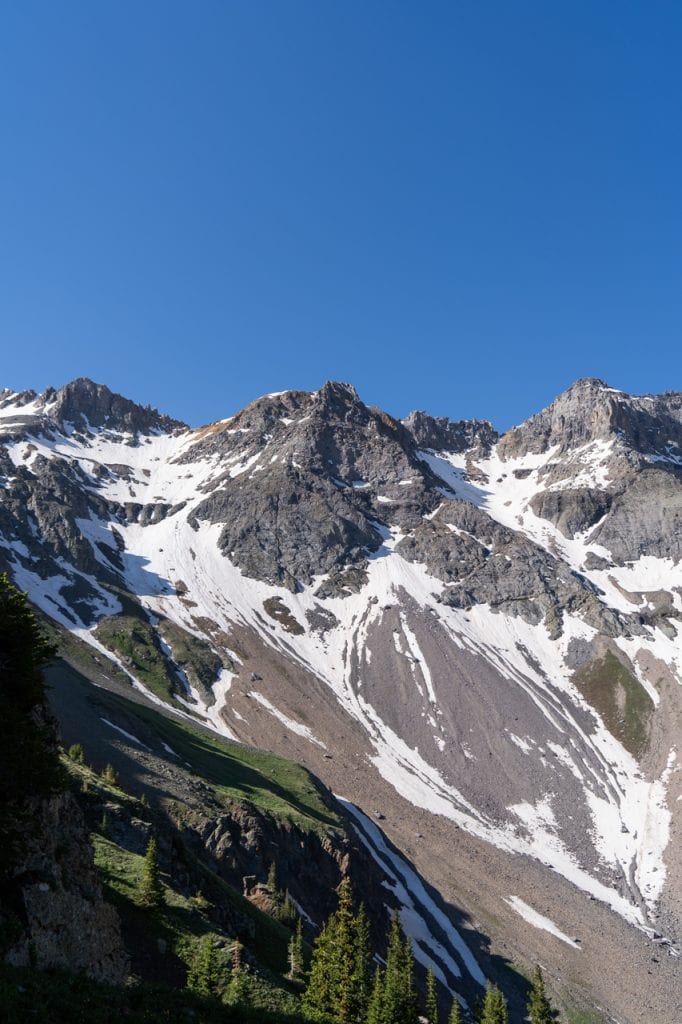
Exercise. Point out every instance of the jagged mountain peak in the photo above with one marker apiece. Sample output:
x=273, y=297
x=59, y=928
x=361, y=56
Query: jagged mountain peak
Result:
x=333, y=391
x=83, y=401
x=77, y=405
x=591, y=411
x=439, y=433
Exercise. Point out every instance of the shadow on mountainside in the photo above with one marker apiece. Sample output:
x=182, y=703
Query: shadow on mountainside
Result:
x=161, y=774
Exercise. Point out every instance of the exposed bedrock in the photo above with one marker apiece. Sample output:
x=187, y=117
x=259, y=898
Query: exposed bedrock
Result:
x=646, y=519
x=589, y=411
x=485, y=563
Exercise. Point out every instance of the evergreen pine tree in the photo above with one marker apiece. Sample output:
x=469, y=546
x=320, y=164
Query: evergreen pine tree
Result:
x=285, y=911
x=494, y=1007
x=431, y=998
x=410, y=1002
x=337, y=989
x=455, y=1015
x=150, y=893
x=375, y=1008
x=238, y=988
x=345, y=958
x=109, y=775
x=318, y=998
x=393, y=977
x=272, y=879
x=400, y=997
x=295, y=954
x=539, y=1007
x=363, y=960
x=204, y=972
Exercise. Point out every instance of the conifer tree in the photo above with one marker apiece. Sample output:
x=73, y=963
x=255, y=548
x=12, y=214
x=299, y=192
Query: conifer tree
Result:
x=150, y=892
x=237, y=991
x=494, y=1007
x=204, y=973
x=539, y=1007
x=337, y=989
x=285, y=911
x=318, y=998
x=455, y=1015
x=431, y=997
x=393, y=976
x=295, y=954
x=345, y=955
x=400, y=998
x=375, y=1008
x=363, y=959
x=411, y=1003
x=109, y=775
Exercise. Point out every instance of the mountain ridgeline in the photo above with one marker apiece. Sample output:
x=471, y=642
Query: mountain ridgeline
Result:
x=472, y=639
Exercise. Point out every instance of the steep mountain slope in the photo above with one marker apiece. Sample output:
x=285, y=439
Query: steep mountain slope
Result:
x=474, y=637
x=239, y=812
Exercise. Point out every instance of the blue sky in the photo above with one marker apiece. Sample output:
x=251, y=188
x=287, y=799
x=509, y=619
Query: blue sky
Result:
x=458, y=206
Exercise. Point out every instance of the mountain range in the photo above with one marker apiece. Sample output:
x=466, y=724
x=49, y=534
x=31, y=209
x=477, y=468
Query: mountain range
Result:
x=473, y=639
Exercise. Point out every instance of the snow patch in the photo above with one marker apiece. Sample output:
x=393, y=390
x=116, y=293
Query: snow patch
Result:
x=539, y=920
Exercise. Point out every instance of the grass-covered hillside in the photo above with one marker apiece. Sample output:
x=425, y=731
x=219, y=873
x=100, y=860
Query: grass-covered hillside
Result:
x=196, y=907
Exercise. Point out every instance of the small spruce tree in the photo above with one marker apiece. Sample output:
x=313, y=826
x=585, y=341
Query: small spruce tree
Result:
x=494, y=1007
x=238, y=988
x=455, y=1016
x=295, y=954
x=204, y=972
x=337, y=990
x=363, y=957
x=150, y=892
x=393, y=975
x=109, y=775
x=411, y=1004
x=431, y=1006
x=318, y=998
x=540, y=1009
x=400, y=997
x=285, y=911
x=375, y=1008
x=75, y=752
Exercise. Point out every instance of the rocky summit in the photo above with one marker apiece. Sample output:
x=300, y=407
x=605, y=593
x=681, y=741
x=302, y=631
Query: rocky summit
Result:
x=474, y=639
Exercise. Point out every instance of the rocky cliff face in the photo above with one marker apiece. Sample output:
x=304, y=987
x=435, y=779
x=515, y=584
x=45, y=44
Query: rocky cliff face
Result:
x=59, y=914
x=634, y=448
x=481, y=631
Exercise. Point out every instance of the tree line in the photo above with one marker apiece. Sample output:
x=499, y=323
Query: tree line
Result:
x=345, y=983
x=343, y=986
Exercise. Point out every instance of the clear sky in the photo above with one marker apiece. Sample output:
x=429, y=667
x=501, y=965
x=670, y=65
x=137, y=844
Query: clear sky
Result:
x=460, y=206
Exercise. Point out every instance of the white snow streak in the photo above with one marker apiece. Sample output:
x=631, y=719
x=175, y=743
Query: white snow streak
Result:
x=539, y=920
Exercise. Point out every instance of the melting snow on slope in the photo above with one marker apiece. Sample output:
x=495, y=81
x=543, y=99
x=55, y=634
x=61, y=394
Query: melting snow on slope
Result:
x=539, y=920
x=160, y=552
x=128, y=735
x=300, y=730
x=415, y=903
x=223, y=593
